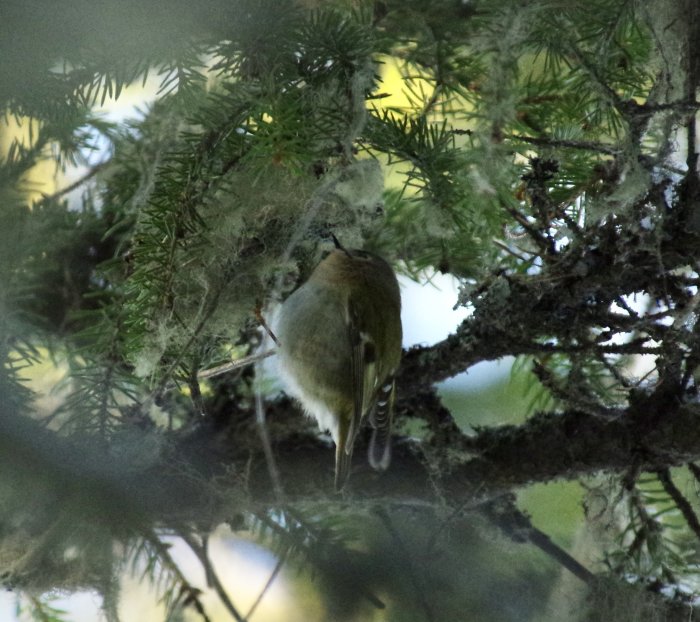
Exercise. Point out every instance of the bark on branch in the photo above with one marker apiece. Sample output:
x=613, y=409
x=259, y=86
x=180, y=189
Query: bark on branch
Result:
x=207, y=470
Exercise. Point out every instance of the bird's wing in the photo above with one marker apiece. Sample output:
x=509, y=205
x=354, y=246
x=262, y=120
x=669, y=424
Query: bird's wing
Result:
x=362, y=369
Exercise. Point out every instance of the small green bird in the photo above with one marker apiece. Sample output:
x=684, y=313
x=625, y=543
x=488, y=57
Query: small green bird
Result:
x=339, y=347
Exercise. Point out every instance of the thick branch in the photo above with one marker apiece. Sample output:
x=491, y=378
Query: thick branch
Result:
x=522, y=314
x=653, y=434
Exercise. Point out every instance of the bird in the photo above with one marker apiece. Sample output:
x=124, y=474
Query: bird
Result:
x=339, y=348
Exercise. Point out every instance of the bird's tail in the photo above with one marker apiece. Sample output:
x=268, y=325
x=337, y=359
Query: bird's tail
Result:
x=344, y=442
x=343, y=461
x=381, y=420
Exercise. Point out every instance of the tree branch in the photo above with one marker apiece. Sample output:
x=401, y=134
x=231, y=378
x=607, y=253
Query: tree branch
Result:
x=554, y=143
x=654, y=432
x=547, y=312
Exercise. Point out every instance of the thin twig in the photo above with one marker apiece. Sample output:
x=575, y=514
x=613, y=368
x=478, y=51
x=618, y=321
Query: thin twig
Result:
x=266, y=587
x=205, y=311
x=517, y=525
x=681, y=502
x=545, y=243
x=237, y=364
x=196, y=394
x=47, y=198
x=542, y=541
x=267, y=447
x=207, y=569
x=185, y=587
x=641, y=535
x=261, y=319
x=569, y=144
x=201, y=554
x=592, y=70
x=212, y=372
x=503, y=246
x=695, y=470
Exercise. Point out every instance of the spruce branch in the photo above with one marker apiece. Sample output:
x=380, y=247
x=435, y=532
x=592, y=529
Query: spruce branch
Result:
x=556, y=143
x=268, y=584
x=92, y=172
x=254, y=161
x=509, y=307
x=580, y=444
x=187, y=594
x=503, y=513
x=681, y=502
x=201, y=553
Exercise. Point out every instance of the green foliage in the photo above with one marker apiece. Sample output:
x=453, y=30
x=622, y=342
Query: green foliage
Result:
x=524, y=130
x=655, y=546
x=41, y=609
x=205, y=193
x=556, y=380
